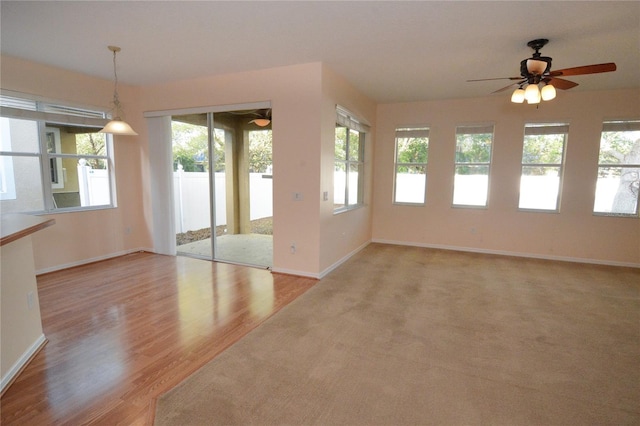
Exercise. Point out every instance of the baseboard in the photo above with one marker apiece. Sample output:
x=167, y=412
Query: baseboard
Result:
x=294, y=272
x=90, y=260
x=324, y=273
x=21, y=363
x=510, y=253
x=342, y=260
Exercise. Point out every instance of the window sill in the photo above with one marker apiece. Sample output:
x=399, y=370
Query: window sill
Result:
x=348, y=209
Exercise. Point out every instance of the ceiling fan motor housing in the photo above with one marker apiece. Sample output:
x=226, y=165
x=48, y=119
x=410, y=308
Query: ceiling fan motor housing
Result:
x=537, y=65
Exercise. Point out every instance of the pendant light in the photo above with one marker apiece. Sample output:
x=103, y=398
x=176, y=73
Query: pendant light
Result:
x=117, y=126
x=262, y=122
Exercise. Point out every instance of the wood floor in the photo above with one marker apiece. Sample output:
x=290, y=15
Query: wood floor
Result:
x=123, y=331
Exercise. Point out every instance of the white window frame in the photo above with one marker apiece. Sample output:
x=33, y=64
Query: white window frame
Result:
x=618, y=126
x=47, y=114
x=470, y=129
x=406, y=132
x=545, y=129
x=345, y=118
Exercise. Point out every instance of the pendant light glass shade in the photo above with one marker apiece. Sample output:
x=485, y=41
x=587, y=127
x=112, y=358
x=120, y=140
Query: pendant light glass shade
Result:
x=532, y=94
x=262, y=122
x=548, y=92
x=518, y=96
x=535, y=66
x=117, y=126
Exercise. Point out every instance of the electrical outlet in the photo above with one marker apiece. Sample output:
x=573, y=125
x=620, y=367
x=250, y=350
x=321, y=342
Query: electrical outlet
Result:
x=325, y=196
x=293, y=247
x=297, y=196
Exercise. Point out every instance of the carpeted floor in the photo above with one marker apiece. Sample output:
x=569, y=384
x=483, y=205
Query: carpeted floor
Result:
x=406, y=335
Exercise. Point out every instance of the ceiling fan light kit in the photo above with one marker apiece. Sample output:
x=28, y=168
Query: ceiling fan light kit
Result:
x=548, y=92
x=536, y=71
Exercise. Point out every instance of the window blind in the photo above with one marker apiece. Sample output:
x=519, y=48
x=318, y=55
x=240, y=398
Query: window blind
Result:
x=621, y=126
x=413, y=132
x=348, y=119
x=546, y=129
x=20, y=108
x=474, y=130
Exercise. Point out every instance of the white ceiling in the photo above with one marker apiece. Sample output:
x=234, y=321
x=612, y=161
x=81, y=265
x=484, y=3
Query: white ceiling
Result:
x=392, y=51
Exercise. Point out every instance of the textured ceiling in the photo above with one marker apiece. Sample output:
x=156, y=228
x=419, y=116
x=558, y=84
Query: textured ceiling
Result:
x=392, y=51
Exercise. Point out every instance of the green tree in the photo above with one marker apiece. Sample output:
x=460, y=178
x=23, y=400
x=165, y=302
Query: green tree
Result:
x=189, y=144
x=542, y=149
x=472, y=148
x=411, y=151
x=260, y=151
x=92, y=144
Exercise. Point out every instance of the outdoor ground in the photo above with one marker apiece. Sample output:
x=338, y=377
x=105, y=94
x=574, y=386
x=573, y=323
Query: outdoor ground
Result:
x=259, y=226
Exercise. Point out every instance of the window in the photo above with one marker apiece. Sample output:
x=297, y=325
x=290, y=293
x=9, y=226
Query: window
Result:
x=412, y=151
x=348, y=177
x=473, y=160
x=618, y=169
x=53, y=158
x=542, y=160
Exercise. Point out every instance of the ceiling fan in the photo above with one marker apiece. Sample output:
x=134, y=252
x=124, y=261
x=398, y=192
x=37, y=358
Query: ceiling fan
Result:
x=537, y=70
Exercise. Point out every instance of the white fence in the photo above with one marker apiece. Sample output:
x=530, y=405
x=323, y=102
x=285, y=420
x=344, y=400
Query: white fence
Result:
x=93, y=185
x=191, y=199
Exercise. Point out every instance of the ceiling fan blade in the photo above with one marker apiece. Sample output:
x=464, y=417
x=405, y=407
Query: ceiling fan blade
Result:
x=506, y=87
x=499, y=78
x=586, y=69
x=560, y=83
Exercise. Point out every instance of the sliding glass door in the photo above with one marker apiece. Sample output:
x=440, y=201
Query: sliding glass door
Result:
x=223, y=186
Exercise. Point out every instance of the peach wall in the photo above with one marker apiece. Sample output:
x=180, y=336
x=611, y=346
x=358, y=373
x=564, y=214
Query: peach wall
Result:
x=83, y=236
x=573, y=234
x=303, y=99
x=295, y=96
x=343, y=233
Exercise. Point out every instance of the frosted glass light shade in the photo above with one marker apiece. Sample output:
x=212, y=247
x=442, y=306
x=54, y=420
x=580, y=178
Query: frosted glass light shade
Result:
x=532, y=94
x=536, y=67
x=118, y=127
x=518, y=96
x=548, y=92
x=261, y=122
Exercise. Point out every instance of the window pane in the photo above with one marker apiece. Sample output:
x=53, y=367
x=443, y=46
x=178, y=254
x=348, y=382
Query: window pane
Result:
x=471, y=185
x=617, y=190
x=21, y=187
x=85, y=184
x=354, y=190
x=341, y=143
x=46, y=153
x=339, y=185
x=543, y=149
x=617, y=187
x=539, y=188
x=410, y=184
x=19, y=135
x=90, y=144
x=618, y=148
x=354, y=145
x=412, y=150
x=473, y=148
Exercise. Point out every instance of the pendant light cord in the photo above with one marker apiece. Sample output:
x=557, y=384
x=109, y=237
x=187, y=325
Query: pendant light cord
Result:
x=116, y=99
